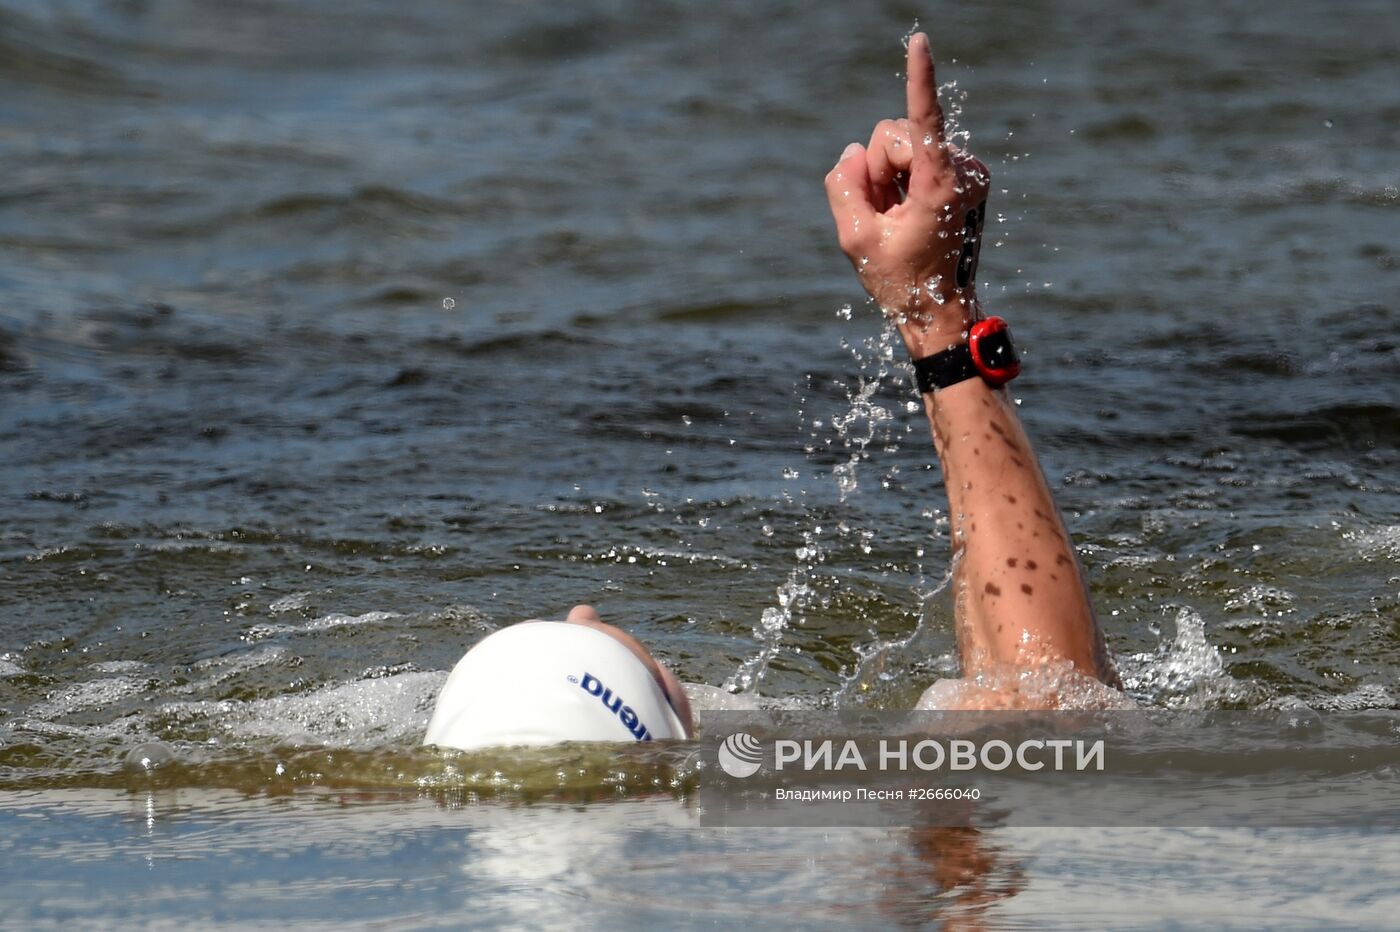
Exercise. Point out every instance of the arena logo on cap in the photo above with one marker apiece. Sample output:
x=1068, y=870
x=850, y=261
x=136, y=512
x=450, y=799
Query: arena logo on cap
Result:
x=614, y=704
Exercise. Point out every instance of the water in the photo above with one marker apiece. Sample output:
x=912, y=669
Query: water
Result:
x=333, y=336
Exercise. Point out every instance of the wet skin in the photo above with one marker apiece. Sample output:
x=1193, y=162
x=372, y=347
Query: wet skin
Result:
x=670, y=685
x=901, y=207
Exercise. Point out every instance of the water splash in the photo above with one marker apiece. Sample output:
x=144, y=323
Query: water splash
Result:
x=886, y=666
x=792, y=600
x=952, y=98
x=1186, y=673
x=863, y=423
x=864, y=420
x=909, y=35
x=1053, y=685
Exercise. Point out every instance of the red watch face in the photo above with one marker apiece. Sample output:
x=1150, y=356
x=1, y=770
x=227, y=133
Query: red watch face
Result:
x=989, y=343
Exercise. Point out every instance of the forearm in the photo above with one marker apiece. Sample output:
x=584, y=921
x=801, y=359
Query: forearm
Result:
x=909, y=212
x=1019, y=590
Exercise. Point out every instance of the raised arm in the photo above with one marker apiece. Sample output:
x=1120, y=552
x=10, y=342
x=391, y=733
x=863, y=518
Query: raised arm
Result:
x=908, y=211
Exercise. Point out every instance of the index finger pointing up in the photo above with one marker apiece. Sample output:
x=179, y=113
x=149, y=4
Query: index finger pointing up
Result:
x=921, y=98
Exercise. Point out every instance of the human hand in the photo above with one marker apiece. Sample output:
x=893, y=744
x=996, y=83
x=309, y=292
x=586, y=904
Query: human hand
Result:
x=909, y=211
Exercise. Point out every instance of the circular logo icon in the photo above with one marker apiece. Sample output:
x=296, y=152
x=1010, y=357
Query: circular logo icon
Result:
x=740, y=755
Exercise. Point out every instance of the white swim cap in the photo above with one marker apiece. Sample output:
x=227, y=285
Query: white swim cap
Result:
x=544, y=682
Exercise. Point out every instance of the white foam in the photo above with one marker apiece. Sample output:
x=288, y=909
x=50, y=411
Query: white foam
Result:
x=1287, y=704
x=289, y=603
x=1260, y=598
x=1379, y=543
x=364, y=713
x=1369, y=696
x=1049, y=686
x=704, y=698
x=91, y=694
x=324, y=623
x=120, y=666
x=710, y=699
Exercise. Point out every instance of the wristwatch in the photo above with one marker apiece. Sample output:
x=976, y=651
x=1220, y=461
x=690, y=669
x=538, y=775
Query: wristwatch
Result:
x=987, y=353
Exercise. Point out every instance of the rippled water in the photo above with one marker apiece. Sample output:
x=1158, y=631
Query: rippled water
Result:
x=333, y=336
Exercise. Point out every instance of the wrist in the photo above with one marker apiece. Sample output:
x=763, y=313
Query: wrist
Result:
x=987, y=355
x=931, y=330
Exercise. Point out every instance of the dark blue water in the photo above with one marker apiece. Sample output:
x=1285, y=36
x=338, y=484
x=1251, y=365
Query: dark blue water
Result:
x=333, y=336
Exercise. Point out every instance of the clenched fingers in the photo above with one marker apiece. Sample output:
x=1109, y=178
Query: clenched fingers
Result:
x=849, y=193
x=888, y=158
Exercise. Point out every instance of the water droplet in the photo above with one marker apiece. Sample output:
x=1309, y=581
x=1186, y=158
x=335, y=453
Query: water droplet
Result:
x=448, y=304
x=686, y=420
x=767, y=530
x=790, y=473
x=1328, y=123
x=845, y=476
x=844, y=312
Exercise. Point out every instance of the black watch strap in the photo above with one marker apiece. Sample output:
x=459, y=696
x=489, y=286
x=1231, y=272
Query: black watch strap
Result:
x=943, y=369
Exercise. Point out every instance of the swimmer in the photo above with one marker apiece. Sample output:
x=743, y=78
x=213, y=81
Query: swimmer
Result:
x=909, y=208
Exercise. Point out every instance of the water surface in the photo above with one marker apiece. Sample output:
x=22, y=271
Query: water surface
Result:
x=334, y=336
